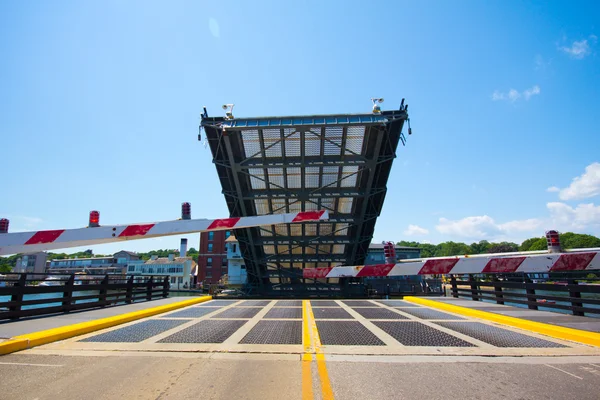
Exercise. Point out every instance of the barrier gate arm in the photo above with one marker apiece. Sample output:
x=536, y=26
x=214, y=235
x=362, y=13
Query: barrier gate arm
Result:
x=571, y=260
x=26, y=242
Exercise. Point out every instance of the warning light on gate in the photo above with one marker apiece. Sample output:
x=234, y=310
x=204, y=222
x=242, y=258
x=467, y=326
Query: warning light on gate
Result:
x=553, y=241
x=4, y=225
x=186, y=210
x=94, y=219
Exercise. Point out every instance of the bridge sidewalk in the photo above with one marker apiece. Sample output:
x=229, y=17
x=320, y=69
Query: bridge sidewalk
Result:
x=553, y=318
x=11, y=329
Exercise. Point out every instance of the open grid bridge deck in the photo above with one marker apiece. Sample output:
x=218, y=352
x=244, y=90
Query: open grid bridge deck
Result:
x=275, y=165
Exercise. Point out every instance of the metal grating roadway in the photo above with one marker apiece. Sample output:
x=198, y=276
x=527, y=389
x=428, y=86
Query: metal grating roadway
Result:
x=275, y=332
x=360, y=303
x=324, y=303
x=346, y=333
x=412, y=333
x=497, y=336
x=428, y=313
x=208, y=331
x=238, y=312
x=326, y=313
x=136, y=332
x=255, y=303
x=191, y=312
x=378, y=313
x=289, y=303
x=398, y=303
x=284, y=313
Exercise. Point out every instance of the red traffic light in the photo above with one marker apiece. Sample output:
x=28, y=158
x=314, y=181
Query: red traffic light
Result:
x=94, y=219
x=3, y=225
x=186, y=210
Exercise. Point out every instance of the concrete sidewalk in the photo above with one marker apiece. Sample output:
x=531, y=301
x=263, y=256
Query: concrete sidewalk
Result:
x=11, y=329
x=568, y=321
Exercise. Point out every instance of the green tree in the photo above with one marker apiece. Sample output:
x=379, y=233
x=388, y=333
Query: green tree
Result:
x=526, y=245
x=503, y=247
x=480, y=248
x=539, y=244
x=452, y=249
x=570, y=240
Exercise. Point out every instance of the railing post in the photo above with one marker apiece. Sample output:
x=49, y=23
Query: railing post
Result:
x=497, y=288
x=577, y=295
x=166, y=286
x=103, y=291
x=473, y=283
x=530, y=292
x=129, y=295
x=17, y=296
x=454, y=286
x=68, y=294
x=149, y=286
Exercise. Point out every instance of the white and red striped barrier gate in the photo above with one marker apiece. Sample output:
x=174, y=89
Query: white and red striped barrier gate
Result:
x=530, y=262
x=22, y=242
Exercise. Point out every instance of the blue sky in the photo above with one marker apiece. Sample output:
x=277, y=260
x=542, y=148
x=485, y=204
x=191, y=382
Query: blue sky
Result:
x=100, y=105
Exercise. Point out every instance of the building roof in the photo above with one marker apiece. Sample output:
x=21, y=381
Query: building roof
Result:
x=231, y=238
x=275, y=165
x=176, y=260
x=131, y=253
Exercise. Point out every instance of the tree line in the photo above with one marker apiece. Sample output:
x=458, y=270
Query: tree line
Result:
x=568, y=240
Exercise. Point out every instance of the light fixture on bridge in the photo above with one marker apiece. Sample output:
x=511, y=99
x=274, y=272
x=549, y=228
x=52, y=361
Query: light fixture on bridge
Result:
x=186, y=210
x=94, y=221
x=4, y=225
x=376, y=108
x=228, y=110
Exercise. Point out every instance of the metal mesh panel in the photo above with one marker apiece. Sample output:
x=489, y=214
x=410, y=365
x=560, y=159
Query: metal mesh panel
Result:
x=324, y=303
x=339, y=249
x=378, y=313
x=275, y=332
x=341, y=229
x=276, y=181
x=255, y=303
x=354, y=139
x=257, y=178
x=346, y=333
x=359, y=303
x=289, y=303
x=205, y=332
x=137, y=332
x=251, y=143
x=191, y=312
x=284, y=312
x=349, y=176
x=497, y=336
x=220, y=303
x=333, y=146
x=412, y=333
x=292, y=143
x=427, y=313
x=312, y=144
x=398, y=303
x=345, y=205
x=331, y=313
x=241, y=312
x=272, y=137
x=311, y=177
x=294, y=178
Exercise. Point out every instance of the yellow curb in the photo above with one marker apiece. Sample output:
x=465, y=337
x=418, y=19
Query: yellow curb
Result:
x=30, y=340
x=559, y=332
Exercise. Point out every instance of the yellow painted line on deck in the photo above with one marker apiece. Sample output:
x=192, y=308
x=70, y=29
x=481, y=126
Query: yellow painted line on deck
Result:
x=559, y=332
x=326, y=390
x=307, y=386
x=29, y=340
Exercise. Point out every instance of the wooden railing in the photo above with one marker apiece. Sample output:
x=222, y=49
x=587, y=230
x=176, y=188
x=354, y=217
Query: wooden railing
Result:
x=27, y=295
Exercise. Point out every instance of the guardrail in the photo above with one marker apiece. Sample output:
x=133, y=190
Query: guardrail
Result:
x=567, y=294
x=32, y=294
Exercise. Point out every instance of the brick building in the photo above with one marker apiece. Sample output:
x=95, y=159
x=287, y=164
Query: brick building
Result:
x=212, y=256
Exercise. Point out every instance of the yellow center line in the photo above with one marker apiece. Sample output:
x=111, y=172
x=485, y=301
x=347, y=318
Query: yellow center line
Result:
x=307, y=386
x=326, y=389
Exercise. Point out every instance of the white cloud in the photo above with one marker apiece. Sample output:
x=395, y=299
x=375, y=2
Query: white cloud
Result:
x=20, y=223
x=552, y=189
x=584, y=217
x=484, y=227
x=585, y=186
x=577, y=50
x=514, y=95
x=414, y=230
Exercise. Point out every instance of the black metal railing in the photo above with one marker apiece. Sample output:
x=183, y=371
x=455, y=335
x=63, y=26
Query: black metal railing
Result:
x=34, y=294
x=569, y=294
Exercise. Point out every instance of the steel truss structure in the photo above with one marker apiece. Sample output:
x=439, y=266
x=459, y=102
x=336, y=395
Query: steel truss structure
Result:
x=272, y=165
